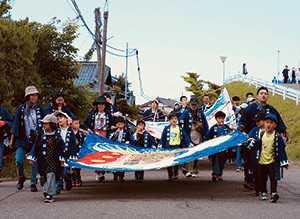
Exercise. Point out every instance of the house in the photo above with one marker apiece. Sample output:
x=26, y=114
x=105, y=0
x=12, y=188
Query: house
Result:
x=165, y=105
x=88, y=75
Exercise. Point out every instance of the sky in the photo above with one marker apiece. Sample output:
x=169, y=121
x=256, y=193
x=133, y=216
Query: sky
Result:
x=174, y=37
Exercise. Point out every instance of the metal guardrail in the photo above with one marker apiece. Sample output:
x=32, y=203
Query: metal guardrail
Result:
x=285, y=92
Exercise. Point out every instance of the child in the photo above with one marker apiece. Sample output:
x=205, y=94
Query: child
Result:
x=253, y=176
x=174, y=137
x=141, y=138
x=218, y=159
x=69, y=139
x=272, y=155
x=75, y=176
x=47, y=152
x=121, y=135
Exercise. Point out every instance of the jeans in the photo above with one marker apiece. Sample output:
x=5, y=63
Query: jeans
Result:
x=20, y=160
x=239, y=156
x=1, y=155
x=218, y=163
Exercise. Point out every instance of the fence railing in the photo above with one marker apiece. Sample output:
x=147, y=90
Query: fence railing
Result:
x=285, y=92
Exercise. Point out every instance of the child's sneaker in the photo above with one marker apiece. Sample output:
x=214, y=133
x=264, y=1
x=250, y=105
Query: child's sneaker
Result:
x=274, y=197
x=188, y=174
x=249, y=185
x=194, y=175
x=264, y=196
x=78, y=183
x=73, y=183
x=214, y=178
x=49, y=199
x=220, y=178
x=257, y=193
x=238, y=169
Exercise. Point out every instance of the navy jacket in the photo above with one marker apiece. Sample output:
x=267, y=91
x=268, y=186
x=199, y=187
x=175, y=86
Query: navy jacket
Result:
x=280, y=153
x=38, y=153
x=249, y=113
x=5, y=116
x=19, y=126
x=186, y=116
x=149, y=116
x=89, y=122
x=179, y=110
x=125, y=136
x=165, y=139
x=148, y=141
x=79, y=140
x=204, y=108
x=70, y=149
x=213, y=132
x=50, y=110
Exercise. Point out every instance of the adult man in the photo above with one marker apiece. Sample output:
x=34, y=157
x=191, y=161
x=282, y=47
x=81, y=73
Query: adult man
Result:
x=183, y=107
x=247, y=123
x=248, y=95
x=195, y=125
x=6, y=121
x=285, y=74
x=153, y=114
x=206, y=104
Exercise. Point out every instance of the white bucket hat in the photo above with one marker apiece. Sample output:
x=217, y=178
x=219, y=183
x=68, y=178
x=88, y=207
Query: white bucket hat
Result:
x=49, y=118
x=31, y=90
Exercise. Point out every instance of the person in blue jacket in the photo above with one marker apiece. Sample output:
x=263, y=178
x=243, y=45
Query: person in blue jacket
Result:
x=141, y=138
x=153, y=114
x=272, y=156
x=183, y=107
x=247, y=121
x=195, y=126
x=47, y=152
x=7, y=121
x=119, y=134
x=58, y=104
x=113, y=109
x=99, y=121
x=218, y=159
x=26, y=127
x=174, y=137
x=206, y=105
x=70, y=150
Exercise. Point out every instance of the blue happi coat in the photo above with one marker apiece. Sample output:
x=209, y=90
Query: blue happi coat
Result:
x=5, y=116
x=38, y=153
x=70, y=149
x=125, y=136
x=89, y=122
x=148, y=141
x=19, y=126
x=79, y=141
x=213, y=132
x=247, y=119
x=165, y=139
x=186, y=116
x=50, y=110
x=149, y=115
x=279, y=149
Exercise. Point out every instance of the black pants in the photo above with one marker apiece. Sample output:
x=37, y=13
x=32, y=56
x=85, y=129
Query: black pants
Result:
x=173, y=171
x=265, y=171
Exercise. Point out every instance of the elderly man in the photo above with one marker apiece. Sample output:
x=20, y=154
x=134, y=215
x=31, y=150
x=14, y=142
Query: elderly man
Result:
x=195, y=125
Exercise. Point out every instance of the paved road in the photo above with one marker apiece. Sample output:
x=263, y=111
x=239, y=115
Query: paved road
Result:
x=155, y=198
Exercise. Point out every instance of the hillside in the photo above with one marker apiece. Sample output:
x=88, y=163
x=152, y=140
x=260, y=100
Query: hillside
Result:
x=288, y=110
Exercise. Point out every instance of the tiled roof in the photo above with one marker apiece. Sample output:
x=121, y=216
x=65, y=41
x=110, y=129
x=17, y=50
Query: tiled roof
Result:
x=88, y=75
x=165, y=102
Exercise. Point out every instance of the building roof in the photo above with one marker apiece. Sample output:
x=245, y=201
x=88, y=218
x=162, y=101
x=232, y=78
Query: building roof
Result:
x=166, y=103
x=88, y=75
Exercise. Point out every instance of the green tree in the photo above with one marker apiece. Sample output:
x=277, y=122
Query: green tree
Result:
x=197, y=87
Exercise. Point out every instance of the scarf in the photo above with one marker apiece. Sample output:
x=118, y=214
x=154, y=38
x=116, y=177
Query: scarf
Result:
x=261, y=107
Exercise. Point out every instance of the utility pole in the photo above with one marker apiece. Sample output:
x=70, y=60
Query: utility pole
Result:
x=98, y=43
x=126, y=81
x=103, y=52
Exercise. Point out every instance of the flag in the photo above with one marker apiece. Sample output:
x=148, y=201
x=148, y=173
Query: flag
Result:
x=100, y=153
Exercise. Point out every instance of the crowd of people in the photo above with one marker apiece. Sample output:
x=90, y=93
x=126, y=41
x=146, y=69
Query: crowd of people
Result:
x=53, y=136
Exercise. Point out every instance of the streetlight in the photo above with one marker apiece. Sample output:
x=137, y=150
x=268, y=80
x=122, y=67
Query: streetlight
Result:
x=278, y=67
x=223, y=58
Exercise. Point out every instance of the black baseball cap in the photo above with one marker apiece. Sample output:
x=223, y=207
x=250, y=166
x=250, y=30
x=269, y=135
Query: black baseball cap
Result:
x=194, y=101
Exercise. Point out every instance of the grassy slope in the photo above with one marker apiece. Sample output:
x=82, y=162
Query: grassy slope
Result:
x=288, y=110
